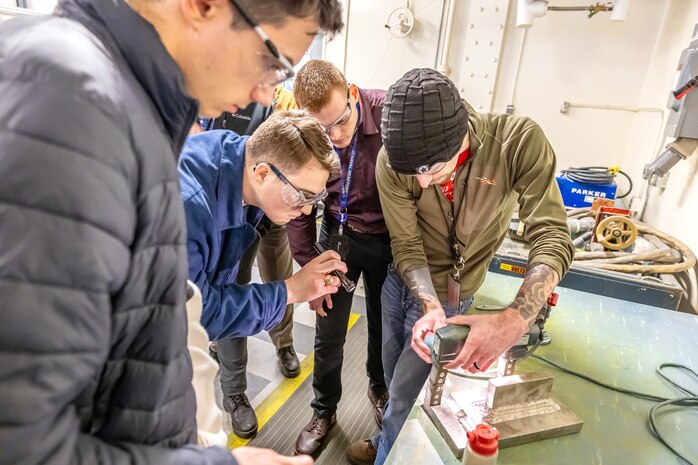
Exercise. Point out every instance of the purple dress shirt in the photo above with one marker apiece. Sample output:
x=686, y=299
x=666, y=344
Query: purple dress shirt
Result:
x=363, y=208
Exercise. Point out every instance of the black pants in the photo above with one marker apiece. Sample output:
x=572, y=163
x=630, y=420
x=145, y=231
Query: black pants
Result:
x=368, y=254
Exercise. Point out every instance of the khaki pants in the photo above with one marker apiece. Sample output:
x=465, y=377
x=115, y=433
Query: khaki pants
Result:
x=275, y=263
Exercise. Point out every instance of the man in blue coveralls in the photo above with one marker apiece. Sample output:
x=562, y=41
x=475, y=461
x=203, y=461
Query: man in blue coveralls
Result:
x=228, y=183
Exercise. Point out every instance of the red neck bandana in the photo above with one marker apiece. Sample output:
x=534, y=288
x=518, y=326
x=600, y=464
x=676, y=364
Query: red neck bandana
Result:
x=447, y=187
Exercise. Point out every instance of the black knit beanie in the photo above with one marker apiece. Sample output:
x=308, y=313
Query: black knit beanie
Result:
x=424, y=121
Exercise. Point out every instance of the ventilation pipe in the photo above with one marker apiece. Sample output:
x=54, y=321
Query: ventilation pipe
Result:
x=443, y=48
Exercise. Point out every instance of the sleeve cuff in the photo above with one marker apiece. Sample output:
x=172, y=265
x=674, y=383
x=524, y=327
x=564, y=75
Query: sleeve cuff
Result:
x=551, y=262
x=218, y=456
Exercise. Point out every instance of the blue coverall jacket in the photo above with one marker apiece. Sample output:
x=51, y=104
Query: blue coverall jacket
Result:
x=219, y=230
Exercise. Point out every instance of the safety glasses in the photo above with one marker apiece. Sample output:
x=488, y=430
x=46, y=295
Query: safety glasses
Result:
x=276, y=67
x=426, y=169
x=433, y=169
x=343, y=118
x=292, y=196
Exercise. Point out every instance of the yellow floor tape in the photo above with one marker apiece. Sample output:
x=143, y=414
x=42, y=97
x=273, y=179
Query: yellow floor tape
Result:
x=282, y=393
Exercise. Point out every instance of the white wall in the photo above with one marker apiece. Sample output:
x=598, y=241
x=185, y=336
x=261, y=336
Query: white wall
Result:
x=376, y=59
x=568, y=57
x=565, y=57
x=676, y=210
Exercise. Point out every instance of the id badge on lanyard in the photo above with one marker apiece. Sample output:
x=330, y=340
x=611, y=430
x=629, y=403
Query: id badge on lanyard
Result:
x=454, y=284
x=453, y=288
x=338, y=241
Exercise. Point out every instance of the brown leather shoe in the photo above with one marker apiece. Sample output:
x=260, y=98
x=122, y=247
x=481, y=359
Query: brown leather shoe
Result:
x=312, y=438
x=361, y=452
x=378, y=401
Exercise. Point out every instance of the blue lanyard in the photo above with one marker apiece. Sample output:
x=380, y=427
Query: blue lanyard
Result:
x=346, y=182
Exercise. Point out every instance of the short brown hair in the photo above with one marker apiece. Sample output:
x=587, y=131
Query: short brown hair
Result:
x=327, y=12
x=292, y=140
x=314, y=84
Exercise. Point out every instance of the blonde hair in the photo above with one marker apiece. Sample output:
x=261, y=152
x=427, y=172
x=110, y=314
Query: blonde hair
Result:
x=314, y=84
x=292, y=140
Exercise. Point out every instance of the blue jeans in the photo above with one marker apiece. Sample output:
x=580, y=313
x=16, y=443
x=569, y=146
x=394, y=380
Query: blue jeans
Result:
x=405, y=372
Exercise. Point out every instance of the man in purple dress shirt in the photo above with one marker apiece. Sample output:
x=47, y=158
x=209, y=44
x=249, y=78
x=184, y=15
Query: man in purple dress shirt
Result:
x=353, y=225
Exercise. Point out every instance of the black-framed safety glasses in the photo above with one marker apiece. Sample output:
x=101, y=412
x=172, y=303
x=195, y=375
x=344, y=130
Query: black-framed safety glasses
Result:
x=277, y=68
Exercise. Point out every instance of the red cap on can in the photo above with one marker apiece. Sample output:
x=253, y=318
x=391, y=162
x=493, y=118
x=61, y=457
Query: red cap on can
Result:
x=484, y=439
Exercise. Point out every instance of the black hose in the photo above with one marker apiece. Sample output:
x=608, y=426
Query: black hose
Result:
x=596, y=175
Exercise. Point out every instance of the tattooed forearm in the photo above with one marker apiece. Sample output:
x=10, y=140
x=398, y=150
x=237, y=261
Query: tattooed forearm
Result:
x=419, y=282
x=539, y=282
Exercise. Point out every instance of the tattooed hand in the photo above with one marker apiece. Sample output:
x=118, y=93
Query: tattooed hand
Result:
x=491, y=335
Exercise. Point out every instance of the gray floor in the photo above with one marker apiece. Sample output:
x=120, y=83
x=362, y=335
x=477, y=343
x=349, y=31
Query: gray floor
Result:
x=264, y=377
x=354, y=416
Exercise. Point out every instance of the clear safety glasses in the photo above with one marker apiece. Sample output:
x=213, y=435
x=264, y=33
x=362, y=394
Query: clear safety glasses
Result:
x=343, y=118
x=292, y=196
x=276, y=67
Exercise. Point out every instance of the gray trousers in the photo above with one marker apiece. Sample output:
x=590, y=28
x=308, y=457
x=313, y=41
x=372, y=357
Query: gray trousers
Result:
x=275, y=263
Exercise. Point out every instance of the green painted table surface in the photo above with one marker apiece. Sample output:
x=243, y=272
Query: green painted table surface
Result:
x=614, y=341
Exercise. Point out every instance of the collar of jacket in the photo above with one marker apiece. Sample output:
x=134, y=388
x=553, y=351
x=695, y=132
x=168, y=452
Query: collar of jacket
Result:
x=476, y=129
x=115, y=22
x=368, y=124
x=231, y=212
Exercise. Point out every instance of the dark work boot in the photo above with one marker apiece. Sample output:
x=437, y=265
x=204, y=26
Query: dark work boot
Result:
x=312, y=438
x=243, y=416
x=288, y=362
x=379, y=400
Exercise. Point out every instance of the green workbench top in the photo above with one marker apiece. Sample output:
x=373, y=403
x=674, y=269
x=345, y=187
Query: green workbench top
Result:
x=617, y=342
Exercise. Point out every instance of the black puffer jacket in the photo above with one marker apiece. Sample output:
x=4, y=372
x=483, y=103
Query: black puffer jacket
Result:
x=94, y=367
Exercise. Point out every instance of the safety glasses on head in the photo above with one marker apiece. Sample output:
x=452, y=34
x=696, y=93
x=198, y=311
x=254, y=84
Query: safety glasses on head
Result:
x=426, y=169
x=432, y=169
x=276, y=67
x=344, y=117
x=292, y=196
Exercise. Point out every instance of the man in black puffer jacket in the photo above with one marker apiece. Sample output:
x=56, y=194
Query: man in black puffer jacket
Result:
x=96, y=102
